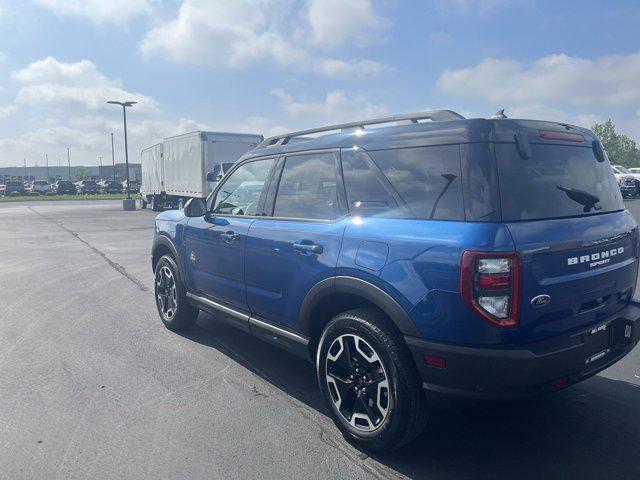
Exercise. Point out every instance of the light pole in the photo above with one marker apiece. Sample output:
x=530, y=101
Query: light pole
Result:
x=124, y=106
x=113, y=159
x=69, y=163
x=25, y=167
x=46, y=156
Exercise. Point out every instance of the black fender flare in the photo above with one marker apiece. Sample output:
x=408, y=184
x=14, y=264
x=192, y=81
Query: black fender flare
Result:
x=163, y=240
x=356, y=286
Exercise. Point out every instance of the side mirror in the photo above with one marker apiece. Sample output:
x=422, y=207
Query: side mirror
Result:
x=195, y=207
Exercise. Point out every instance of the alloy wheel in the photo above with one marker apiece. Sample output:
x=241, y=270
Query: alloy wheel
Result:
x=358, y=383
x=166, y=292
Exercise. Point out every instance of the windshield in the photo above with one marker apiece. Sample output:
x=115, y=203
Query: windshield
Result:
x=557, y=181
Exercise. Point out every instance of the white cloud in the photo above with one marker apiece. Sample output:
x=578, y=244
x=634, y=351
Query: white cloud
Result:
x=8, y=110
x=241, y=33
x=336, y=106
x=99, y=11
x=481, y=7
x=77, y=86
x=440, y=38
x=545, y=112
x=336, y=22
x=610, y=80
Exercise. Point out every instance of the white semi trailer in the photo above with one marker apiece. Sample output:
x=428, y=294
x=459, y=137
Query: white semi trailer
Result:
x=177, y=169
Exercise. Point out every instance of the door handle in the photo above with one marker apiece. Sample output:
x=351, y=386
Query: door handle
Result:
x=307, y=248
x=229, y=237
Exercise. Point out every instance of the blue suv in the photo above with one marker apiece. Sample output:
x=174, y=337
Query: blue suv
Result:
x=424, y=252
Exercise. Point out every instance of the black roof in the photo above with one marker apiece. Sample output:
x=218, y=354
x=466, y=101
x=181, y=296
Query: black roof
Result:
x=423, y=134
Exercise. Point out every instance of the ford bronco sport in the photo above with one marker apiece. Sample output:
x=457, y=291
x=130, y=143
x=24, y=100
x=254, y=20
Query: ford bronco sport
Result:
x=484, y=257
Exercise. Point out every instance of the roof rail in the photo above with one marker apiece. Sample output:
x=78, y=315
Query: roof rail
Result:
x=402, y=119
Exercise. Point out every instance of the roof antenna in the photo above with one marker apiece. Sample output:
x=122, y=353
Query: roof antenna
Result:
x=499, y=114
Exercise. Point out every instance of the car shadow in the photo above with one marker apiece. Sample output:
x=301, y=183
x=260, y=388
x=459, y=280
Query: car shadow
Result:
x=591, y=430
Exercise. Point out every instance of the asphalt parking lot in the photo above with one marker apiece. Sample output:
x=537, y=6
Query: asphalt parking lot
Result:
x=93, y=386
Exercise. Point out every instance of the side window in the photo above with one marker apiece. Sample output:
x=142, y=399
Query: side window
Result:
x=366, y=195
x=308, y=188
x=240, y=192
x=427, y=178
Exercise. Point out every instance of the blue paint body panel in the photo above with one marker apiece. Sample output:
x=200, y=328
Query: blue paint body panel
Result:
x=416, y=262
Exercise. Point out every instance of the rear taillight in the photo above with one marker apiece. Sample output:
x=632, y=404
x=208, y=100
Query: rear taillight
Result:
x=490, y=286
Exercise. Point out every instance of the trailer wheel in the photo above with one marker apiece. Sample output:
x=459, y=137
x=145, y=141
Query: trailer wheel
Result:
x=180, y=204
x=154, y=204
x=143, y=203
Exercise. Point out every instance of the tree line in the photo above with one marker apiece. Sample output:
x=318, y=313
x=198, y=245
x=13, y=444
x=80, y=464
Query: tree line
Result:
x=620, y=149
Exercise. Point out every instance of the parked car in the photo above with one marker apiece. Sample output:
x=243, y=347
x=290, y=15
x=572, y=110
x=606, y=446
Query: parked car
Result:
x=40, y=187
x=624, y=171
x=635, y=170
x=110, y=186
x=627, y=182
x=14, y=186
x=87, y=187
x=485, y=258
x=133, y=188
x=64, y=187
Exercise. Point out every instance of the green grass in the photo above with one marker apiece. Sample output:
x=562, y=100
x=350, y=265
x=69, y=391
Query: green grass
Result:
x=44, y=198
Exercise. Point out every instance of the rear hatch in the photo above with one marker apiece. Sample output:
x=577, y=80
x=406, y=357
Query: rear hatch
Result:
x=578, y=245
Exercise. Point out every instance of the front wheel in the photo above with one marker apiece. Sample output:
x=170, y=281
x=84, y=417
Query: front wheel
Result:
x=171, y=300
x=369, y=381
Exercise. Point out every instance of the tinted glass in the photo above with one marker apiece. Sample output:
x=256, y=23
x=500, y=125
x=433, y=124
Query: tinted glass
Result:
x=240, y=193
x=307, y=188
x=557, y=181
x=366, y=195
x=427, y=178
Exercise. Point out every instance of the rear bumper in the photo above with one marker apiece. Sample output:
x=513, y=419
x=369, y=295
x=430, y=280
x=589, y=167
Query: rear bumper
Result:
x=532, y=369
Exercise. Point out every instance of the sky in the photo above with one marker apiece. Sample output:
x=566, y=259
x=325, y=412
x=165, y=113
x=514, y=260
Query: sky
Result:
x=267, y=66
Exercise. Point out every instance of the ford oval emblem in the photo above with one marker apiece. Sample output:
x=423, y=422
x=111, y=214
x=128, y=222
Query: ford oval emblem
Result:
x=540, y=300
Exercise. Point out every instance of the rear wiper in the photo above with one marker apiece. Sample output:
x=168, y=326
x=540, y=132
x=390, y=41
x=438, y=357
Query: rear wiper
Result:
x=586, y=199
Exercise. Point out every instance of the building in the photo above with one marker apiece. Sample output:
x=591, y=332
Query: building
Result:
x=104, y=172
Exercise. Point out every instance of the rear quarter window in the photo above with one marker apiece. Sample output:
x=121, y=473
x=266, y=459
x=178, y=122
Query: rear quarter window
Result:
x=428, y=179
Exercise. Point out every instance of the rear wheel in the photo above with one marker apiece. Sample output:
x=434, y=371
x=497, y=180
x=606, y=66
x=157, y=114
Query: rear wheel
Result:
x=180, y=204
x=143, y=203
x=175, y=311
x=370, y=382
x=154, y=204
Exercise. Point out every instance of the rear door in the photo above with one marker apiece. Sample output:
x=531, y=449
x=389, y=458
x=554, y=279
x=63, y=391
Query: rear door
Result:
x=299, y=244
x=578, y=244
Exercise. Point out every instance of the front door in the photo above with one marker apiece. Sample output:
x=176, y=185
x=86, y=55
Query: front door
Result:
x=299, y=245
x=215, y=243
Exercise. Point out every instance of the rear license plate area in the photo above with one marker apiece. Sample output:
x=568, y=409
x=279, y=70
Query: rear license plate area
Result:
x=597, y=343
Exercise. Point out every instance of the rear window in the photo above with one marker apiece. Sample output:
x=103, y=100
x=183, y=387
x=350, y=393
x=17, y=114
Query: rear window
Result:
x=557, y=181
x=427, y=178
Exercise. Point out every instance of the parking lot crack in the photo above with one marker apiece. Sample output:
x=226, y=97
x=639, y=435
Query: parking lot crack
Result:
x=116, y=266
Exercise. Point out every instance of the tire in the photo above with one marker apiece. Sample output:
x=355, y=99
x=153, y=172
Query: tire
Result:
x=171, y=300
x=397, y=406
x=154, y=204
x=143, y=204
x=180, y=204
